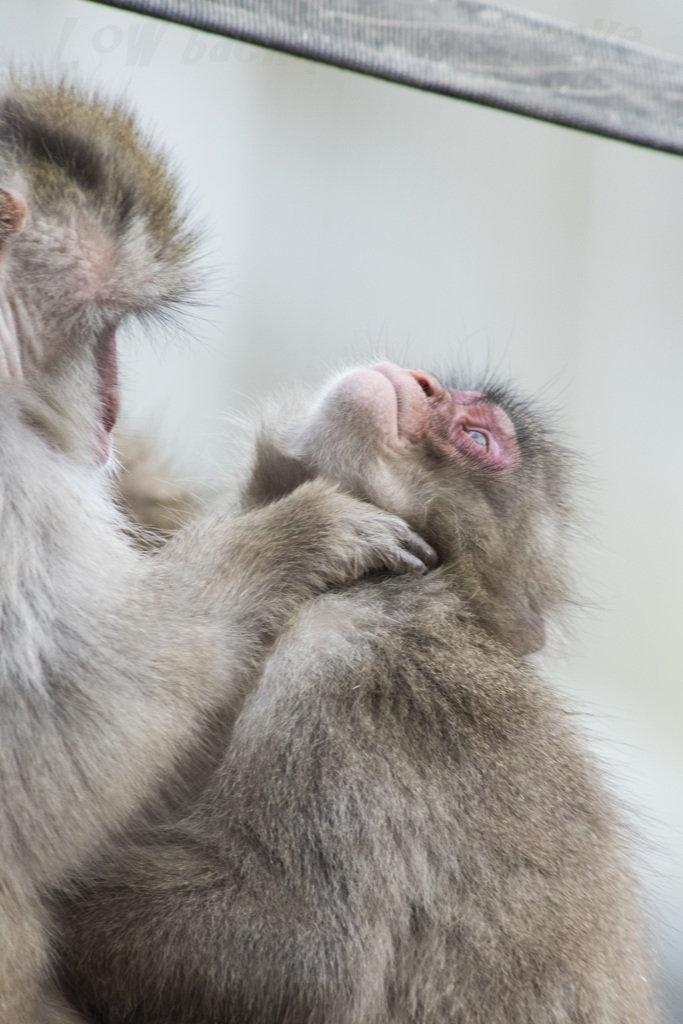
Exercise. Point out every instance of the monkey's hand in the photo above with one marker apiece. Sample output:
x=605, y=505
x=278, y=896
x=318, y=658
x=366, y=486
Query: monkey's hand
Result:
x=318, y=537
x=269, y=561
x=363, y=539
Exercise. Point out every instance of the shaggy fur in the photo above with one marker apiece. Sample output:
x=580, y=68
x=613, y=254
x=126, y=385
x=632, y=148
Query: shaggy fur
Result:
x=405, y=827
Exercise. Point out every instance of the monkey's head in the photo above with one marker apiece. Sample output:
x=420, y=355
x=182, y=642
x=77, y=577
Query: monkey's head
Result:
x=90, y=233
x=475, y=472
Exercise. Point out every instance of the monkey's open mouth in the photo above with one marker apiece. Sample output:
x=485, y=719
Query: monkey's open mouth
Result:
x=108, y=393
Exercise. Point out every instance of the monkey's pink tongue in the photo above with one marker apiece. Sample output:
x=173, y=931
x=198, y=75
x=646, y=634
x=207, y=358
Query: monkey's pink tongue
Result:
x=108, y=392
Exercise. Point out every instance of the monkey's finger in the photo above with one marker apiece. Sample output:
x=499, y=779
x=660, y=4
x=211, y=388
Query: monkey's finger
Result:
x=400, y=562
x=407, y=552
x=418, y=547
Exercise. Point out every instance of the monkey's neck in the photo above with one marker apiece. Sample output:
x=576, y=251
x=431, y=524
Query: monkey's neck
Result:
x=62, y=546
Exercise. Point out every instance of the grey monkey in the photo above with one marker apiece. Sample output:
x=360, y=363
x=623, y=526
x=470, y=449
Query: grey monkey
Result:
x=405, y=827
x=112, y=662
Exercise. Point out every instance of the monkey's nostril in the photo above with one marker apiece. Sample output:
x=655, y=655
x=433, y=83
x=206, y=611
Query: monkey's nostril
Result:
x=425, y=384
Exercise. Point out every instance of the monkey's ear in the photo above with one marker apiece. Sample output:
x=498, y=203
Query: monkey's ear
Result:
x=274, y=473
x=12, y=214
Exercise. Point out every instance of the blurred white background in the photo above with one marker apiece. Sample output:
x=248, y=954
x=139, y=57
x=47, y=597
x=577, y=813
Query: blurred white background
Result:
x=346, y=216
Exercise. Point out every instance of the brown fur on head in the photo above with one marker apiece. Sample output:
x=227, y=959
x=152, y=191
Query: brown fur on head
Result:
x=94, y=180
x=90, y=232
x=499, y=520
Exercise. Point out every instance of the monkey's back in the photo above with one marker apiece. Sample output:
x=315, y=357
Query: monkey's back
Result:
x=421, y=799
x=405, y=830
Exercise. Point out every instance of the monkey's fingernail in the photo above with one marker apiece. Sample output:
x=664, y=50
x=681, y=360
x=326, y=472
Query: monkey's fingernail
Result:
x=425, y=551
x=411, y=563
x=430, y=557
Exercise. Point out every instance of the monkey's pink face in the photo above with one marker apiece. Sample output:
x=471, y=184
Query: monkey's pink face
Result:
x=411, y=405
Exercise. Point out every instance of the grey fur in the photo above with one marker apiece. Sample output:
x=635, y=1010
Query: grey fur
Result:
x=155, y=504
x=113, y=663
x=406, y=827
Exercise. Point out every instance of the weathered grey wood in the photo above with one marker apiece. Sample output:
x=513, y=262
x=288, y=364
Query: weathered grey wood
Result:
x=484, y=52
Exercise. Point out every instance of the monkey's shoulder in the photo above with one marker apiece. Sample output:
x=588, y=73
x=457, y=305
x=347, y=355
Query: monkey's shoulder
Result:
x=414, y=611
x=410, y=648
x=375, y=699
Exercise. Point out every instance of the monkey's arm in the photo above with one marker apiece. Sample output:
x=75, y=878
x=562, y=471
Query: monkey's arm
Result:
x=258, y=906
x=266, y=564
x=271, y=901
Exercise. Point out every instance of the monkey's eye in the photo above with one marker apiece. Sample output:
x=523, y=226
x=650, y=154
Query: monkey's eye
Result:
x=478, y=438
